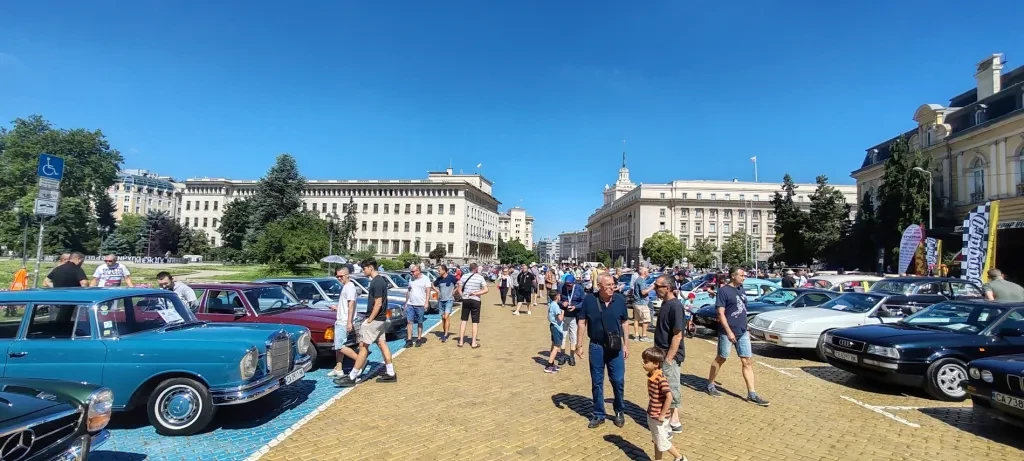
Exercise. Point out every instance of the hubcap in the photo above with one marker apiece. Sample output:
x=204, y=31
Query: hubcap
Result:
x=949, y=378
x=178, y=406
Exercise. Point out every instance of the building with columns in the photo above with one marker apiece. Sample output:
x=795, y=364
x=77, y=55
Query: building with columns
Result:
x=141, y=191
x=573, y=246
x=689, y=210
x=454, y=211
x=515, y=224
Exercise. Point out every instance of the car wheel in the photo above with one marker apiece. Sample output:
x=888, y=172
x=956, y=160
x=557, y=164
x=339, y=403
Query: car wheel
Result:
x=180, y=406
x=311, y=351
x=943, y=380
x=819, y=352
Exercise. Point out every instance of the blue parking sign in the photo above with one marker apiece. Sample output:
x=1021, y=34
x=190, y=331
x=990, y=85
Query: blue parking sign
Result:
x=50, y=167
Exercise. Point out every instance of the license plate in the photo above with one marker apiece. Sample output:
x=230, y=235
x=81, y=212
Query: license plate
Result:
x=845, y=356
x=1008, y=400
x=294, y=376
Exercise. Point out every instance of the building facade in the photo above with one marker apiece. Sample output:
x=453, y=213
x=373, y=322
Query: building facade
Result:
x=515, y=224
x=689, y=210
x=573, y=246
x=547, y=250
x=455, y=211
x=141, y=191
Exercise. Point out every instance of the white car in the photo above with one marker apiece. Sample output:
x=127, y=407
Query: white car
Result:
x=804, y=328
x=857, y=283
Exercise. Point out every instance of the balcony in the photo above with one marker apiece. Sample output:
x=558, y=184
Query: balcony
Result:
x=978, y=196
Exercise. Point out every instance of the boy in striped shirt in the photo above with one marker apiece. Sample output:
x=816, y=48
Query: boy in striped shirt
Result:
x=659, y=408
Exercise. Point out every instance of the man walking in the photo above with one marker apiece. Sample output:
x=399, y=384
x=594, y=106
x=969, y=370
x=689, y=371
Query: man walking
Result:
x=471, y=288
x=641, y=305
x=184, y=292
x=537, y=278
x=344, y=322
x=445, y=285
x=668, y=337
x=788, y=280
x=415, y=303
x=731, y=302
x=111, y=274
x=525, y=283
x=372, y=330
x=603, y=317
x=69, y=274
x=999, y=289
x=571, y=301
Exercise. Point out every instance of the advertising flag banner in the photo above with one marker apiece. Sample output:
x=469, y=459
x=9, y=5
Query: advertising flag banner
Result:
x=979, y=250
x=931, y=245
x=908, y=246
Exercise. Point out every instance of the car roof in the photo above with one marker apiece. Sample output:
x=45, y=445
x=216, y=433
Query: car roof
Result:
x=230, y=285
x=296, y=279
x=756, y=280
x=847, y=278
x=925, y=279
x=984, y=302
x=75, y=295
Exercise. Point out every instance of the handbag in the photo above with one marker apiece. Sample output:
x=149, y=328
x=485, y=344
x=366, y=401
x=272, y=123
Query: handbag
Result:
x=612, y=336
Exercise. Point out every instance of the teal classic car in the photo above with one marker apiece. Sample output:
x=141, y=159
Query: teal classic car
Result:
x=149, y=349
x=44, y=419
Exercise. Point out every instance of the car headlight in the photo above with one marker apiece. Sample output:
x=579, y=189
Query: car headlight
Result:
x=329, y=334
x=101, y=405
x=303, y=343
x=975, y=374
x=987, y=376
x=828, y=338
x=890, y=352
x=247, y=366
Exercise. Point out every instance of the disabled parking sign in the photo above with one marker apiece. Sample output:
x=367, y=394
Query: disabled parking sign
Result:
x=50, y=167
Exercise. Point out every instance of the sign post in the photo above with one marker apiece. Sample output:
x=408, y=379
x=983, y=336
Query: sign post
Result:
x=50, y=172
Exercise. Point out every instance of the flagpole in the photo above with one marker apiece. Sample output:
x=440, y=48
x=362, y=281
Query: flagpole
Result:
x=755, y=168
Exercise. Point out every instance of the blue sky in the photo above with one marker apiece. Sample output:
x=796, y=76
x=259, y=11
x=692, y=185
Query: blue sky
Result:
x=541, y=93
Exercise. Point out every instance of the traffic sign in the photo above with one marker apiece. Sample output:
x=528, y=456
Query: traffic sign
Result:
x=45, y=183
x=50, y=167
x=46, y=207
x=48, y=194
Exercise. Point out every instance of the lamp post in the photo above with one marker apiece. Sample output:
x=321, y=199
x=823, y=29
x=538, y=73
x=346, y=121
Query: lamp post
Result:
x=929, y=174
x=24, y=237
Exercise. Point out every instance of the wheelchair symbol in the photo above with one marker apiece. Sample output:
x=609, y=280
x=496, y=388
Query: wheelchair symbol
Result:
x=48, y=169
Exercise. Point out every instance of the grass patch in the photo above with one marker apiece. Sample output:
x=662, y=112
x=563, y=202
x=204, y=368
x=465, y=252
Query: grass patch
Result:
x=250, y=273
x=140, y=273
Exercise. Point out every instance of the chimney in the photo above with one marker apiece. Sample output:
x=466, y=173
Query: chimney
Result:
x=988, y=78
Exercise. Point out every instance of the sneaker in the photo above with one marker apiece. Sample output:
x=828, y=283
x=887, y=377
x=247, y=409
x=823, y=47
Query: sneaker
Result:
x=529, y=312
x=344, y=381
x=408, y=343
x=561, y=361
x=550, y=369
x=758, y=400
x=386, y=378
x=572, y=361
x=334, y=373
x=419, y=342
x=677, y=429
x=594, y=422
x=712, y=391
x=515, y=313
x=444, y=338
x=620, y=419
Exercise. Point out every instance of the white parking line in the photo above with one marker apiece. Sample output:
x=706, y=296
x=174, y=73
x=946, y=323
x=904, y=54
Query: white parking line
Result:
x=710, y=341
x=898, y=408
x=881, y=411
x=780, y=370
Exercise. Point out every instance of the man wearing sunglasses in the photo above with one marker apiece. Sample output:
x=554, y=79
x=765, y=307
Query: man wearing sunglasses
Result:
x=668, y=336
x=344, y=322
x=111, y=274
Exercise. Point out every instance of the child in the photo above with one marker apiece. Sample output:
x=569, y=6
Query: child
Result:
x=659, y=408
x=688, y=307
x=555, y=317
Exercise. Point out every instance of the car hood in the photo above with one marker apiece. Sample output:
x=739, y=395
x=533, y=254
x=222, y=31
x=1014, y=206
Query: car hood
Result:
x=219, y=335
x=891, y=334
x=1007, y=364
x=301, y=314
x=17, y=401
x=794, y=314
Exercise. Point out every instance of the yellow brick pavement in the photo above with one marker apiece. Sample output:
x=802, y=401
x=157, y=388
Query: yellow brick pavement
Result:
x=495, y=403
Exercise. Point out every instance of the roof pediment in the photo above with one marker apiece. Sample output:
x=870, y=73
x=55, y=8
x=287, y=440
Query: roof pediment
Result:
x=927, y=112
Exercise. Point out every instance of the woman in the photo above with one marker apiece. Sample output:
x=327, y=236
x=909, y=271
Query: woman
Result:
x=551, y=280
x=504, y=283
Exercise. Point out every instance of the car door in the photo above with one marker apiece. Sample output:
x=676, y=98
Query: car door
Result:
x=58, y=342
x=222, y=306
x=10, y=328
x=1004, y=345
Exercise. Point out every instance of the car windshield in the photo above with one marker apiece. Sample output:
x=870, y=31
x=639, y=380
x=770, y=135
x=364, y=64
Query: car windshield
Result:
x=779, y=297
x=135, y=314
x=896, y=287
x=398, y=281
x=857, y=303
x=331, y=287
x=692, y=285
x=958, y=317
x=265, y=299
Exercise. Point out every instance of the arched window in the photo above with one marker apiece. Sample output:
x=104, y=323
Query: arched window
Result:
x=927, y=138
x=979, y=117
x=976, y=180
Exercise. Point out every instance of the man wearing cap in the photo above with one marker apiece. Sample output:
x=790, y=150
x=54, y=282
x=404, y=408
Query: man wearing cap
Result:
x=571, y=300
x=788, y=281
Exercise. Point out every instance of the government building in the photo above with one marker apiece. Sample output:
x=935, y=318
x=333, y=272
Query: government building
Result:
x=457, y=212
x=689, y=210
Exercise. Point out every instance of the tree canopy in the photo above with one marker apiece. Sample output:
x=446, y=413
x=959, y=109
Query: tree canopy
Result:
x=790, y=224
x=662, y=248
x=702, y=255
x=514, y=252
x=735, y=250
x=287, y=243
x=828, y=222
x=234, y=223
x=903, y=195
x=278, y=194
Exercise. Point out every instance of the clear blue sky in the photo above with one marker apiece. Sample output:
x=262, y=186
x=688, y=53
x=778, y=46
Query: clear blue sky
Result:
x=542, y=93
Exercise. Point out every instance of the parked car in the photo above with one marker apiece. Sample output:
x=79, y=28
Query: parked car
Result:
x=323, y=300
x=805, y=328
x=45, y=419
x=856, y=283
x=782, y=298
x=754, y=289
x=996, y=386
x=929, y=349
x=911, y=294
x=150, y=350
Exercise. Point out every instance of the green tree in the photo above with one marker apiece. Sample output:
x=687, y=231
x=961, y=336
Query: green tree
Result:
x=662, y=249
x=278, y=194
x=903, y=195
x=735, y=250
x=514, y=252
x=437, y=254
x=348, y=226
x=702, y=255
x=407, y=259
x=104, y=208
x=790, y=224
x=288, y=243
x=65, y=231
x=620, y=262
x=193, y=242
x=159, y=235
x=604, y=258
x=362, y=255
x=234, y=223
x=391, y=265
x=862, y=244
x=828, y=223
x=129, y=230
x=115, y=244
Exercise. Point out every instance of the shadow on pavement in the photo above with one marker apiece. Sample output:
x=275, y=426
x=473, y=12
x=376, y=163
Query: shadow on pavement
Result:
x=776, y=352
x=261, y=411
x=631, y=451
x=852, y=381
x=104, y=455
x=699, y=384
x=584, y=407
x=964, y=419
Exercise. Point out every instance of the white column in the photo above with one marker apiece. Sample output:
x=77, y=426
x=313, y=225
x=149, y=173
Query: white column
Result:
x=946, y=170
x=961, y=179
x=992, y=181
x=1014, y=175
x=1004, y=173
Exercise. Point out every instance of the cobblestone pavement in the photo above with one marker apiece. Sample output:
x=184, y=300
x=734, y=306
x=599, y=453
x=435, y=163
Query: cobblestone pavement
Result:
x=496, y=403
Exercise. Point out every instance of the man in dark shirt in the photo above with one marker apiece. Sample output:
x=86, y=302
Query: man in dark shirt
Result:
x=731, y=303
x=788, y=281
x=603, y=317
x=571, y=300
x=525, y=282
x=668, y=336
x=68, y=274
x=372, y=330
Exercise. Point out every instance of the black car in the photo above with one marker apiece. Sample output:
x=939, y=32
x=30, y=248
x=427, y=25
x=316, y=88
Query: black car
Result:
x=911, y=294
x=996, y=386
x=929, y=349
x=43, y=419
x=782, y=298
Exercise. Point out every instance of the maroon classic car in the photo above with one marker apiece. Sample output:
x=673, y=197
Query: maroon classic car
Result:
x=265, y=303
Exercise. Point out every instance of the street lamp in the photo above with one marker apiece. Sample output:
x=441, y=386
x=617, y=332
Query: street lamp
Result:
x=331, y=218
x=24, y=237
x=929, y=173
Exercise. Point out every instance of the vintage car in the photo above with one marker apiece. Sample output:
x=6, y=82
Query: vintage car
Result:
x=996, y=386
x=804, y=328
x=911, y=294
x=845, y=283
x=150, y=350
x=45, y=419
x=929, y=349
x=782, y=298
x=753, y=288
x=323, y=292
x=270, y=303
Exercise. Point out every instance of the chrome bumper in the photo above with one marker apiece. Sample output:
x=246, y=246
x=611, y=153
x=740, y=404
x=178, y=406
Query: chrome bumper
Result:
x=250, y=392
x=82, y=446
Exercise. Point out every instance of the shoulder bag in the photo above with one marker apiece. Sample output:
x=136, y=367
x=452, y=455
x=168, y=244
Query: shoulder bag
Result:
x=612, y=336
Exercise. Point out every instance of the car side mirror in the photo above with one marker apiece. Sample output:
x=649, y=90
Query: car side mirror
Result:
x=317, y=297
x=239, y=312
x=1010, y=332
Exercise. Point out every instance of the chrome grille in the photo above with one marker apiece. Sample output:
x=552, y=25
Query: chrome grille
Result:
x=848, y=344
x=45, y=432
x=280, y=352
x=1015, y=383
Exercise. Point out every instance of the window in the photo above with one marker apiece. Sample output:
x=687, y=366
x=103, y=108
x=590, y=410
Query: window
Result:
x=417, y=227
x=727, y=214
x=375, y=208
x=385, y=229
x=976, y=180
x=416, y=246
x=711, y=228
x=661, y=226
x=395, y=227
x=756, y=214
x=757, y=197
x=214, y=223
x=755, y=229
x=713, y=214
x=430, y=227
x=188, y=205
x=698, y=228
x=407, y=206
x=387, y=208
x=394, y=246
x=204, y=222
x=979, y=116
x=728, y=196
x=334, y=207
x=699, y=195
x=684, y=195
x=419, y=209
x=206, y=205
x=430, y=209
x=405, y=226
x=451, y=228
x=661, y=213
x=365, y=205
x=451, y=209
x=742, y=214
x=363, y=228
x=451, y=248
x=215, y=205
x=9, y=327
x=699, y=212
x=426, y=246
x=684, y=213
x=375, y=226
x=195, y=222
x=714, y=196
x=661, y=195
x=58, y=322
x=397, y=208
x=743, y=196
x=683, y=227
x=725, y=228
x=713, y=241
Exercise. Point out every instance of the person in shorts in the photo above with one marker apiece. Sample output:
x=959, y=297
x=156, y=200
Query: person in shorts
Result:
x=555, y=318
x=658, y=409
x=445, y=285
x=471, y=287
x=641, y=305
x=731, y=302
x=668, y=338
x=344, y=323
x=372, y=329
x=416, y=299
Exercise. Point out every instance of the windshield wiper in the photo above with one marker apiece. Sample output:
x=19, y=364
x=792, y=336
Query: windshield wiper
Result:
x=925, y=326
x=178, y=326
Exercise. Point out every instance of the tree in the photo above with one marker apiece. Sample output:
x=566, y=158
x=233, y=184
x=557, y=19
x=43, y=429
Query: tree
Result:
x=278, y=194
x=735, y=250
x=662, y=249
x=362, y=255
x=129, y=230
x=702, y=255
x=903, y=195
x=620, y=262
x=295, y=240
x=407, y=259
x=115, y=244
x=437, y=254
x=604, y=258
x=193, y=242
x=348, y=226
x=790, y=224
x=65, y=232
x=234, y=223
x=159, y=235
x=863, y=243
x=828, y=222
x=104, y=209
x=514, y=252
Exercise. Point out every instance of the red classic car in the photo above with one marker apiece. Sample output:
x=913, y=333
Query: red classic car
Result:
x=265, y=303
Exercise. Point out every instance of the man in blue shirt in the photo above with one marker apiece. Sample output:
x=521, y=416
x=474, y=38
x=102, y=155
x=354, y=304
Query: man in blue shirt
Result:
x=445, y=285
x=603, y=317
x=731, y=303
x=571, y=302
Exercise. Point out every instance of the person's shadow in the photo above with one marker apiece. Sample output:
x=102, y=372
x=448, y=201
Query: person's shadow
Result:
x=699, y=384
x=584, y=407
x=630, y=449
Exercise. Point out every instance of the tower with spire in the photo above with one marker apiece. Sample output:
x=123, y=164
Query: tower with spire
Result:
x=622, y=185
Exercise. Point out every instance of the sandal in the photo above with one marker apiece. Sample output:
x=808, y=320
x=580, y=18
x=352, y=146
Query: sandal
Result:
x=460, y=343
x=475, y=346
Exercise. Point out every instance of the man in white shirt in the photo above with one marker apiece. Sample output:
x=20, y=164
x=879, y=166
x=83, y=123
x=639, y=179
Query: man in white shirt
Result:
x=344, y=322
x=111, y=273
x=416, y=299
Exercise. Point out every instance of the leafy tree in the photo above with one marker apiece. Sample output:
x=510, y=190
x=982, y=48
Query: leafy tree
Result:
x=104, y=208
x=828, y=222
x=193, y=242
x=407, y=259
x=702, y=255
x=159, y=235
x=437, y=254
x=65, y=231
x=290, y=242
x=620, y=262
x=278, y=194
x=129, y=230
x=115, y=244
x=790, y=224
x=735, y=250
x=662, y=249
x=903, y=195
x=234, y=223
x=604, y=258
x=348, y=226
x=391, y=265
x=514, y=252
x=362, y=255
x=863, y=243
